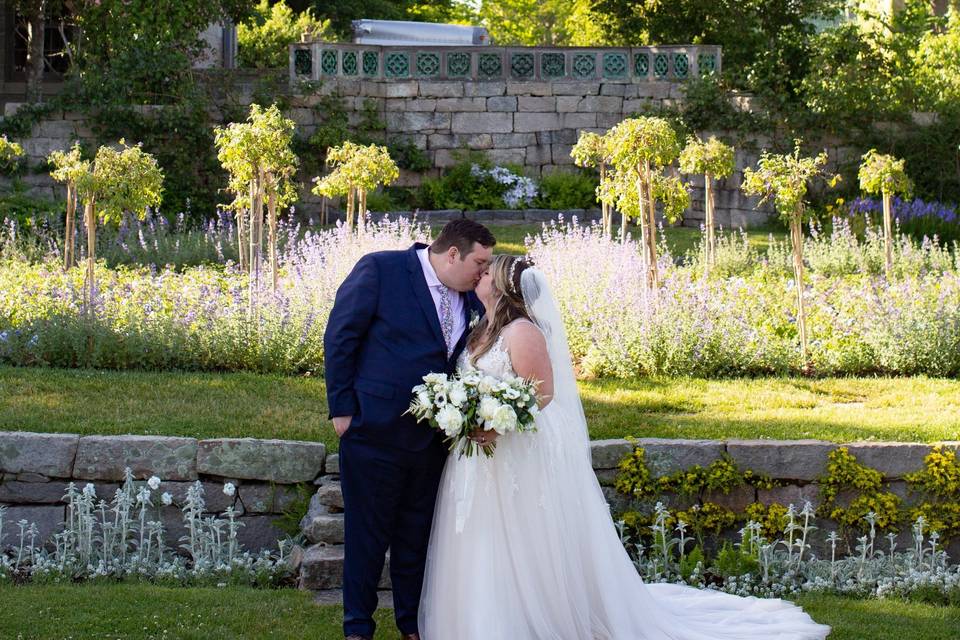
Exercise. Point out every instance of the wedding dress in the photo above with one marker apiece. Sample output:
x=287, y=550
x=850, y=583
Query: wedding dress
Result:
x=523, y=546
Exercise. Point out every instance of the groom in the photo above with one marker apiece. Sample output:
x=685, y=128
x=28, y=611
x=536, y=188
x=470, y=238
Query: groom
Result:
x=398, y=316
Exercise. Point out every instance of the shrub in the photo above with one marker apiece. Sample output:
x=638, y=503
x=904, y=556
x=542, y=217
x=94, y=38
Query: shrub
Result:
x=264, y=38
x=563, y=190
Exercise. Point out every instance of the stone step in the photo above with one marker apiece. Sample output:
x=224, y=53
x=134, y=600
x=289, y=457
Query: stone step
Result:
x=322, y=569
x=326, y=527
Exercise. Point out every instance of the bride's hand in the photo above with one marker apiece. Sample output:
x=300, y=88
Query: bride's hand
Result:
x=484, y=437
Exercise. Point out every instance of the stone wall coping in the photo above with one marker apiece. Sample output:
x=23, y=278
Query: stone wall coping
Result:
x=103, y=457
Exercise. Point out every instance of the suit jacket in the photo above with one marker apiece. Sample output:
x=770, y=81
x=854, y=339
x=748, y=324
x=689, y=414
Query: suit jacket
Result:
x=382, y=337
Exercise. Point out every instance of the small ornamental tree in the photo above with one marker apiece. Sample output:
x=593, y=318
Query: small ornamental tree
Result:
x=9, y=153
x=121, y=180
x=259, y=157
x=592, y=150
x=884, y=174
x=640, y=151
x=783, y=179
x=713, y=159
x=357, y=170
x=69, y=168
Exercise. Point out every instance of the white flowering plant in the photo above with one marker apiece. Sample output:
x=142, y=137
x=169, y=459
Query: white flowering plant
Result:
x=458, y=405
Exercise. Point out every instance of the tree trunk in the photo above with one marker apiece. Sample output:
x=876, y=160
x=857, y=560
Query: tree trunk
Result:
x=709, y=222
x=256, y=215
x=888, y=233
x=68, y=240
x=242, y=240
x=796, y=237
x=35, y=62
x=606, y=215
x=362, y=208
x=350, y=198
x=272, y=216
x=91, y=222
x=652, y=236
x=642, y=222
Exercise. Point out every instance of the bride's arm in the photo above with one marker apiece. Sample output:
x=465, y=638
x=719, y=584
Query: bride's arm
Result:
x=530, y=360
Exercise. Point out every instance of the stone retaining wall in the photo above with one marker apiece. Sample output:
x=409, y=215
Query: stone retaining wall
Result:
x=35, y=469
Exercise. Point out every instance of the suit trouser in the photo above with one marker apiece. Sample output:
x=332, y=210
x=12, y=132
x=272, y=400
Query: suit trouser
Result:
x=388, y=499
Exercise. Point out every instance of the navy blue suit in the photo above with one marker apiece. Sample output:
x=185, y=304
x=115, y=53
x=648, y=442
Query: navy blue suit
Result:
x=382, y=337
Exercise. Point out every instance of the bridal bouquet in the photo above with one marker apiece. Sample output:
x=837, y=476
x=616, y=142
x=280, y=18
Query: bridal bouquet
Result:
x=472, y=400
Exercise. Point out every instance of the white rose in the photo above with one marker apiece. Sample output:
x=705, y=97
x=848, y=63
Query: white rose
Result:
x=488, y=408
x=511, y=393
x=505, y=419
x=487, y=384
x=229, y=489
x=450, y=420
x=154, y=482
x=458, y=394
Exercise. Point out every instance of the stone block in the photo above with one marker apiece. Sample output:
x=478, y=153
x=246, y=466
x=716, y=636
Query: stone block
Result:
x=417, y=121
x=737, y=500
x=538, y=155
x=495, y=215
x=332, y=464
x=259, y=533
x=560, y=136
x=484, y=89
x=48, y=454
x=609, y=120
x=578, y=120
x=617, y=501
x=461, y=104
x=410, y=104
x=607, y=454
x=329, y=495
x=568, y=104
x=793, y=494
x=529, y=88
x=106, y=457
x=502, y=103
x=15, y=492
x=614, y=89
x=666, y=456
x=283, y=461
x=561, y=153
x=576, y=88
x=534, y=122
x=322, y=568
x=48, y=518
x=56, y=129
x=501, y=140
x=656, y=90
x=635, y=105
x=507, y=156
x=458, y=140
x=537, y=104
x=323, y=527
x=541, y=215
x=373, y=89
x=892, y=459
x=266, y=497
x=28, y=477
x=606, y=104
x=401, y=89
x=482, y=123
x=443, y=89
x=785, y=459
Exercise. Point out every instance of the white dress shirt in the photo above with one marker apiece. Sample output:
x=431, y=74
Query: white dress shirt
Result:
x=456, y=299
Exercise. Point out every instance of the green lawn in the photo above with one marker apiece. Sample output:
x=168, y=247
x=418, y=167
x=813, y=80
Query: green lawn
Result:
x=208, y=405
x=147, y=611
x=680, y=239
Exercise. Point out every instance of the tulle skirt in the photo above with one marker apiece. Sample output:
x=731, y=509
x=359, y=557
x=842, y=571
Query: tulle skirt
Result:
x=523, y=548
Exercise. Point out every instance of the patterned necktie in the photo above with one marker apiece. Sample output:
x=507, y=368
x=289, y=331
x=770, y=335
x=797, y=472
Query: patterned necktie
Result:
x=446, y=317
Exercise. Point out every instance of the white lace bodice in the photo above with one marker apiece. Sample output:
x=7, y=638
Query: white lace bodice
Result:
x=495, y=362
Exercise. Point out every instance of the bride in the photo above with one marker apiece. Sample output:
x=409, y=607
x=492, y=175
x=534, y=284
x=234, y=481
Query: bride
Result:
x=522, y=545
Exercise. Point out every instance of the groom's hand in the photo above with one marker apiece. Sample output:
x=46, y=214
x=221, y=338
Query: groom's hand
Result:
x=341, y=424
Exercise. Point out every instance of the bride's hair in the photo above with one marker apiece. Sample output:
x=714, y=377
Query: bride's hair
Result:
x=505, y=272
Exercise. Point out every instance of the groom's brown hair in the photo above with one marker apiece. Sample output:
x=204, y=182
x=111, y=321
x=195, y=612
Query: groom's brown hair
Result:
x=462, y=234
